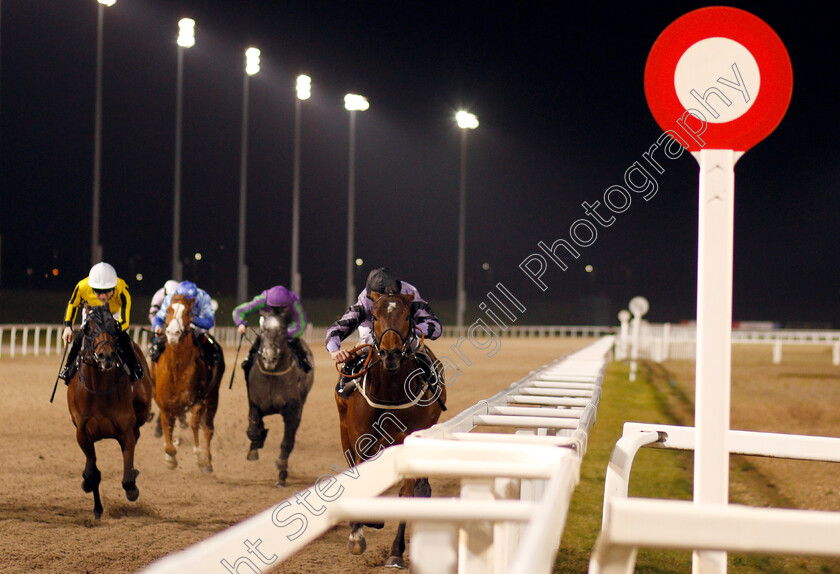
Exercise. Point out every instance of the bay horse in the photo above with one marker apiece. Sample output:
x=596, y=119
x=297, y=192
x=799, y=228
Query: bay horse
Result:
x=183, y=383
x=104, y=403
x=276, y=385
x=391, y=389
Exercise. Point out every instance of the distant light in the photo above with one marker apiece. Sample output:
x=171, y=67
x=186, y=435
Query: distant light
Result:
x=186, y=36
x=359, y=262
x=29, y=271
x=55, y=272
x=139, y=276
x=108, y=2
x=485, y=266
x=252, y=61
x=356, y=103
x=466, y=120
x=304, y=87
x=589, y=269
x=197, y=256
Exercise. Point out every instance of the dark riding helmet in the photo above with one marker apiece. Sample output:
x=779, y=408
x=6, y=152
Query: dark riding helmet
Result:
x=382, y=280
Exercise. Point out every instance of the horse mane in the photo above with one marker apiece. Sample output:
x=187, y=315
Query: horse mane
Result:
x=101, y=317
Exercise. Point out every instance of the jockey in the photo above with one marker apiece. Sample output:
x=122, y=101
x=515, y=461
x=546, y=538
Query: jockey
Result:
x=100, y=287
x=276, y=297
x=360, y=315
x=203, y=318
x=157, y=300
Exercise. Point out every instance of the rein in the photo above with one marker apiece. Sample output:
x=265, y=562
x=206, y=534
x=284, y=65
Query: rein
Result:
x=83, y=359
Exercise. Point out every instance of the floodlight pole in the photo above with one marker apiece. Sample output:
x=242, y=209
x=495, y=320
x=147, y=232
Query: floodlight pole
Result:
x=95, y=247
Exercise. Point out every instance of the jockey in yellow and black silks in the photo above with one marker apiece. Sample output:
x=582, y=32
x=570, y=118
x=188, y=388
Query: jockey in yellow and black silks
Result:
x=100, y=287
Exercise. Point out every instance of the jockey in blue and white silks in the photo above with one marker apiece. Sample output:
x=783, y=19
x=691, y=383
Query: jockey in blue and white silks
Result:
x=202, y=315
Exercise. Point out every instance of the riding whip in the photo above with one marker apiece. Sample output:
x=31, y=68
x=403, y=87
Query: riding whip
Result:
x=236, y=360
x=64, y=356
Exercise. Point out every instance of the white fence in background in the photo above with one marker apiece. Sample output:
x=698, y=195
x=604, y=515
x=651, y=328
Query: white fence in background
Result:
x=665, y=341
x=516, y=486
x=45, y=339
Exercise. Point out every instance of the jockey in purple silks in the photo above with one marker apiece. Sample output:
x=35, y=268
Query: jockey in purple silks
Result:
x=360, y=315
x=276, y=297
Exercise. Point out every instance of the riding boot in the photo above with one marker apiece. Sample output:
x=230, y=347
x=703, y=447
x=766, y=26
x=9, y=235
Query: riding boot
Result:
x=300, y=355
x=70, y=366
x=156, y=348
x=133, y=367
x=346, y=384
x=249, y=361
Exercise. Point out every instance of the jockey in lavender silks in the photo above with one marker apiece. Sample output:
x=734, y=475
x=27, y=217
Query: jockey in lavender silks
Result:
x=360, y=316
x=276, y=297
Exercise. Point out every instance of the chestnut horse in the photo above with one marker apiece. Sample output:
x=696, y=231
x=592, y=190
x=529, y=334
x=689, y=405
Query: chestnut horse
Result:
x=390, y=386
x=103, y=403
x=276, y=385
x=183, y=383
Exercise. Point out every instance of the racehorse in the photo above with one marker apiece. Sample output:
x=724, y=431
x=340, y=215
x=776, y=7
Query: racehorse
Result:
x=103, y=402
x=276, y=385
x=183, y=382
x=392, y=388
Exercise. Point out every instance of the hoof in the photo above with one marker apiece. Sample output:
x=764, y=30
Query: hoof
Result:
x=253, y=454
x=97, y=514
x=356, y=547
x=395, y=562
x=171, y=462
x=176, y=441
x=132, y=493
x=207, y=468
x=280, y=483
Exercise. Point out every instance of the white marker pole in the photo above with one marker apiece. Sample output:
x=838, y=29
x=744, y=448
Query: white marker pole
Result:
x=714, y=336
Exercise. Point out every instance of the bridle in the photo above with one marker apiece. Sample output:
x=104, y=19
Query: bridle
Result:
x=92, y=349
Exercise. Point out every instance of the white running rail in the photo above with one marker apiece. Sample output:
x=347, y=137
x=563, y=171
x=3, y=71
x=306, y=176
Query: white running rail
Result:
x=516, y=485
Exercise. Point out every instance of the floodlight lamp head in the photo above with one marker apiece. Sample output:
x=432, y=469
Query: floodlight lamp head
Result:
x=466, y=120
x=356, y=103
x=186, y=35
x=107, y=2
x=304, y=87
x=252, y=61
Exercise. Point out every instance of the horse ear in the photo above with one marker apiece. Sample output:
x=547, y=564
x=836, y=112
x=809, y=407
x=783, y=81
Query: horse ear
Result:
x=375, y=296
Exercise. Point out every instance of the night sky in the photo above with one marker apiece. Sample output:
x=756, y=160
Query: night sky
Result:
x=558, y=89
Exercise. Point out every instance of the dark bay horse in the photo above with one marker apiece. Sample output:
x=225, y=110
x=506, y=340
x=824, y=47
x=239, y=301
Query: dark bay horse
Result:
x=103, y=403
x=276, y=385
x=392, y=387
x=183, y=383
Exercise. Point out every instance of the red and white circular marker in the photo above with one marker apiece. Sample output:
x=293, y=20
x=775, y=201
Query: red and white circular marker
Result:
x=729, y=66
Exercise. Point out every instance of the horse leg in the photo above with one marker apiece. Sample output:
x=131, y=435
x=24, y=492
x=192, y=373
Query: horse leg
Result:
x=411, y=487
x=256, y=431
x=196, y=422
x=127, y=443
x=158, y=427
x=356, y=543
x=168, y=425
x=91, y=476
x=291, y=418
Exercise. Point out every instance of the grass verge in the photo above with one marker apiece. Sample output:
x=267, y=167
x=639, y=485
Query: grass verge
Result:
x=655, y=397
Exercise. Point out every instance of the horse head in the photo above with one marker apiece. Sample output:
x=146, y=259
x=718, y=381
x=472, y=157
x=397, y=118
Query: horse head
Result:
x=393, y=328
x=274, y=336
x=178, y=318
x=100, y=332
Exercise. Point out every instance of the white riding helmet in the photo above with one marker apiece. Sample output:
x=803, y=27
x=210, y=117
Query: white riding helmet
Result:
x=102, y=276
x=170, y=286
